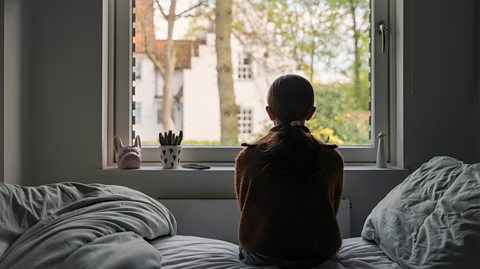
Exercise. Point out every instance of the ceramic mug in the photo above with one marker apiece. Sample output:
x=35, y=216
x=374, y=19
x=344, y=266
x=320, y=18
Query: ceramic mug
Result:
x=170, y=156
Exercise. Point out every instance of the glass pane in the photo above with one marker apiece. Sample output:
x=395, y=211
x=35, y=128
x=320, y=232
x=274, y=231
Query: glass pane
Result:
x=179, y=87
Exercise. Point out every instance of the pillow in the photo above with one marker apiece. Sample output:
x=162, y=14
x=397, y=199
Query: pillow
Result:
x=432, y=218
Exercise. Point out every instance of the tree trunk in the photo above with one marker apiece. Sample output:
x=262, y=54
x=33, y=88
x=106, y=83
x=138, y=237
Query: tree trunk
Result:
x=228, y=106
x=169, y=71
x=356, y=52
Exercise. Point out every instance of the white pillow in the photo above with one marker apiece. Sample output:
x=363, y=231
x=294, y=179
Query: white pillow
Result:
x=432, y=218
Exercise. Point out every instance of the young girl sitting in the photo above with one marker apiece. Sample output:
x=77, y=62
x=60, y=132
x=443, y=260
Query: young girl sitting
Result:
x=288, y=185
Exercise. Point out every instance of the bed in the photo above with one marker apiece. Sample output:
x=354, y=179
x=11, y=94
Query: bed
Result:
x=190, y=252
x=431, y=220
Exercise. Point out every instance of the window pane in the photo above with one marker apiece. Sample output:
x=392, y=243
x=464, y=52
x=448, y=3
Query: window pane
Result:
x=180, y=89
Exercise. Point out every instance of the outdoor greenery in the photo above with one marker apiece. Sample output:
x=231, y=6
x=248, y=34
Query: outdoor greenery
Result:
x=334, y=120
x=327, y=40
x=320, y=35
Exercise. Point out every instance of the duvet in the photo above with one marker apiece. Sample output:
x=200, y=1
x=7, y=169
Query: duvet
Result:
x=73, y=225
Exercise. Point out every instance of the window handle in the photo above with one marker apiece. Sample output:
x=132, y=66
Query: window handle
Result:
x=383, y=30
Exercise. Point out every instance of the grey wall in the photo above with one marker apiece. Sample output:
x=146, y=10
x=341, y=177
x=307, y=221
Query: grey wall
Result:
x=475, y=138
x=439, y=97
x=17, y=91
x=66, y=89
x=1, y=85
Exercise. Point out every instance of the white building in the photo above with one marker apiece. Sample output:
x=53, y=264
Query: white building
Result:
x=197, y=106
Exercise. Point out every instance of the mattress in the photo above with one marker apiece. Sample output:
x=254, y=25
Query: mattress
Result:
x=185, y=252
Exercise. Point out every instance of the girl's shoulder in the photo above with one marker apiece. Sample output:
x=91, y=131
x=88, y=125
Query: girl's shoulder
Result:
x=331, y=154
x=327, y=145
x=249, y=152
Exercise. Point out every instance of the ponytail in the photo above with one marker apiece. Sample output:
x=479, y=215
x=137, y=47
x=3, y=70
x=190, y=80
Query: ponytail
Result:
x=290, y=153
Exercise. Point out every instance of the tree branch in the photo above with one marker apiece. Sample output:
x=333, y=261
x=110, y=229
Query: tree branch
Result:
x=151, y=55
x=165, y=16
x=179, y=95
x=179, y=15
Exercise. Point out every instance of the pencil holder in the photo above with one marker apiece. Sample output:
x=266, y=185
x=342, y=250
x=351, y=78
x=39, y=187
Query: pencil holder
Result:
x=170, y=156
x=170, y=149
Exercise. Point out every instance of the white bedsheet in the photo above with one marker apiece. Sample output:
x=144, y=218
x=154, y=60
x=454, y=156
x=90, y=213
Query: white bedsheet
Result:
x=190, y=252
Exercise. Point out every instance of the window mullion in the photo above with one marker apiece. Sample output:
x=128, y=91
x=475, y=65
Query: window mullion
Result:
x=380, y=71
x=123, y=69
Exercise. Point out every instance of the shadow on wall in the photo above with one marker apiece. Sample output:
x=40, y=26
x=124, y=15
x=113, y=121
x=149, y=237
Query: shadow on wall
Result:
x=475, y=134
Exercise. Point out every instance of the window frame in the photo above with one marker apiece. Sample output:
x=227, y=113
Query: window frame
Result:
x=121, y=98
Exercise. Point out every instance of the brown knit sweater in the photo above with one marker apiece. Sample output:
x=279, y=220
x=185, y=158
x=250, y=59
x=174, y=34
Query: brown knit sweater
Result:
x=293, y=221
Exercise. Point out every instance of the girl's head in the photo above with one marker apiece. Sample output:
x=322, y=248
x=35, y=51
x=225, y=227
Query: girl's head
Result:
x=290, y=99
x=289, y=152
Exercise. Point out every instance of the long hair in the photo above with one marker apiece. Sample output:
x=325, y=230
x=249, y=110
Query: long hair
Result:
x=290, y=152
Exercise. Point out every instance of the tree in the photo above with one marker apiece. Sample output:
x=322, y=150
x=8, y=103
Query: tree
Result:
x=356, y=13
x=169, y=60
x=228, y=106
x=164, y=64
x=333, y=33
x=301, y=31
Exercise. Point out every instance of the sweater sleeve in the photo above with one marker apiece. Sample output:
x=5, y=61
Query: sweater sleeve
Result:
x=239, y=177
x=339, y=181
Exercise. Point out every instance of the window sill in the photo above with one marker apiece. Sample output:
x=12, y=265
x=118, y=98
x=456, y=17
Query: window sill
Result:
x=229, y=167
x=217, y=182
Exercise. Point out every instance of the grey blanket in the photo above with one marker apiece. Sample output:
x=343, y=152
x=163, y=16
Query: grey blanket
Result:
x=74, y=225
x=431, y=219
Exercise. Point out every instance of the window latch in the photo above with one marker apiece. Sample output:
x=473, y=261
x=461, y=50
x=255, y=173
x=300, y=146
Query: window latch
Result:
x=383, y=30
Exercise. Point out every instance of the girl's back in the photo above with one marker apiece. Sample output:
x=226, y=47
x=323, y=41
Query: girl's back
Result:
x=288, y=183
x=289, y=219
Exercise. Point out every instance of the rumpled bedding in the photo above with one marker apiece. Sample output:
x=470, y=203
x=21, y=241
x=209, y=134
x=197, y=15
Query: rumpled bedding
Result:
x=73, y=225
x=191, y=252
x=432, y=219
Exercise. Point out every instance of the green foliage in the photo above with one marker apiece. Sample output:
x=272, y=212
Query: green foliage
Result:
x=191, y=142
x=188, y=142
x=335, y=121
x=334, y=33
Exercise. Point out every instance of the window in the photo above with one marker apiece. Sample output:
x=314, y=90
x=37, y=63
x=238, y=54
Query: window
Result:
x=244, y=118
x=338, y=47
x=244, y=71
x=137, y=68
x=137, y=113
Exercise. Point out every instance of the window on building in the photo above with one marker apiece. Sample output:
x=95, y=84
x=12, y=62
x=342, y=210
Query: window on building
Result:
x=245, y=121
x=337, y=45
x=137, y=68
x=244, y=70
x=137, y=113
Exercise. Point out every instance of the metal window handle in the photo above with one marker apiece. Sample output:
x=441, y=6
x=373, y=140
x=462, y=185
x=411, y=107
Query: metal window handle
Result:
x=383, y=30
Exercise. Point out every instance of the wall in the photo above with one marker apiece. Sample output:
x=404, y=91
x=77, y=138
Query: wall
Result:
x=438, y=96
x=67, y=89
x=2, y=12
x=475, y=136
x=16, y=92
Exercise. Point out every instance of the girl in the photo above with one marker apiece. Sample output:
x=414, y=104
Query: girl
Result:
x=288, y=185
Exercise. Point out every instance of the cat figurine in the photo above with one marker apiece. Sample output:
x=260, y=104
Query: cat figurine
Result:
x=128, y=157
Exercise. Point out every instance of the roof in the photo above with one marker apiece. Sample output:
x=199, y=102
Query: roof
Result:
x=184, y=51
x=145, y=35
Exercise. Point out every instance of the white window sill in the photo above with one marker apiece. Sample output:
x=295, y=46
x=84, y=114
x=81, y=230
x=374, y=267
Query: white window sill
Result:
x=217, y=182
x=229, y=167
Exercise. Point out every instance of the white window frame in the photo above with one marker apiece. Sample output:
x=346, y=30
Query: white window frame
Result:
x=120, y=95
